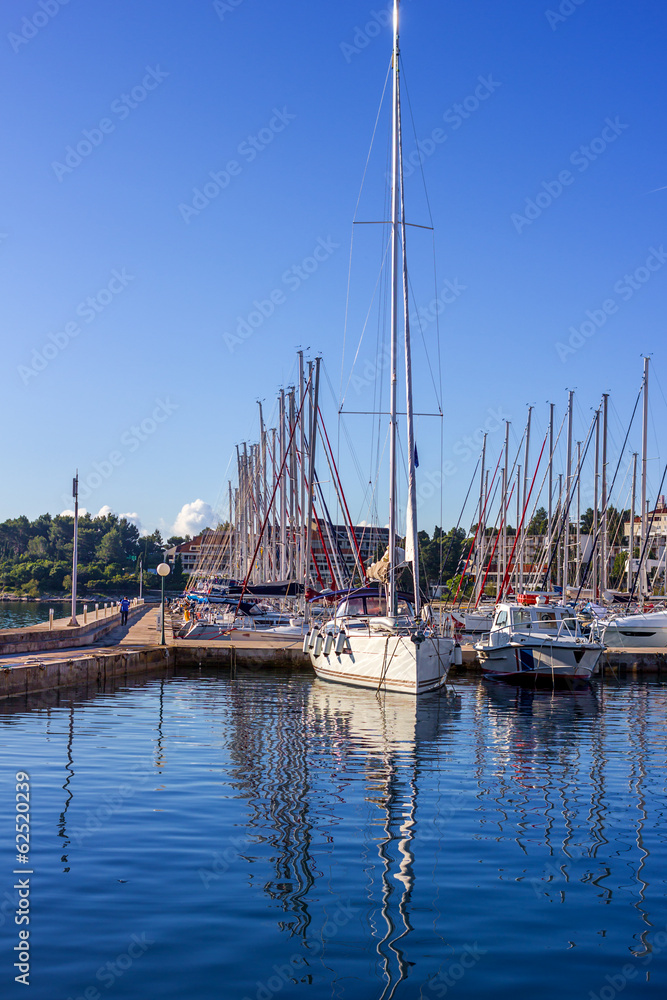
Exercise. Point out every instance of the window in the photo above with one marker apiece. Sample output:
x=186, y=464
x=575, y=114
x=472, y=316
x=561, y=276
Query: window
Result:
x=376, y=606
x=501, y=619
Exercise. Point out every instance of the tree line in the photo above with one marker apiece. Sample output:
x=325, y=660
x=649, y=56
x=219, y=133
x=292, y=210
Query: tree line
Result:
x=36, y=556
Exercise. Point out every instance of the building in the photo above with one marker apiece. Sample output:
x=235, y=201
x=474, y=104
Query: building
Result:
x=208, y=553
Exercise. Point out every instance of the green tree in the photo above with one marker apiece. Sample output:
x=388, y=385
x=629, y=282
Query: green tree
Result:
x=539, y=522
x=110, y=550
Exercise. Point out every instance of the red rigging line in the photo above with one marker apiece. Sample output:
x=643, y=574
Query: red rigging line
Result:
x=342, y=496
x=481, y=520
x=502, y=521
x=334, y=585
x=520, y=526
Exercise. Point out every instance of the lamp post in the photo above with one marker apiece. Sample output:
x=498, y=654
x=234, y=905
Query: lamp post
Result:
x=163, y=570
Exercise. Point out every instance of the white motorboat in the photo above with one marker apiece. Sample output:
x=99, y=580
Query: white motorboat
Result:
x=536, y=642
x=375, y=640
x=642, y=629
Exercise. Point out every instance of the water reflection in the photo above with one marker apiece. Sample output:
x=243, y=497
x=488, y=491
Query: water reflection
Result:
x=388, y=733
x=416, y=822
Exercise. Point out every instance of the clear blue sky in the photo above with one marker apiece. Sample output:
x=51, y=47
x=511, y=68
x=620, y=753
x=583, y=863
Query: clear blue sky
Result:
x=170, y=92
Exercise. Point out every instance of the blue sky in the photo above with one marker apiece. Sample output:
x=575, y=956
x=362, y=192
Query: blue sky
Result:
x=122, y=290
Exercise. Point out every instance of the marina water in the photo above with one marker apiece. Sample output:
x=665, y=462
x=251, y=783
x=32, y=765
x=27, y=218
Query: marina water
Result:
x=271, y=835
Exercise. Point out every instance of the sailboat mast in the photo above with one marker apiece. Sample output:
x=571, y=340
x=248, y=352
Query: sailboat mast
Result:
x=568, y=477
x=395, y=242
x=604, y=556
x=411, y=536
x=643, y=582
x=631, y=533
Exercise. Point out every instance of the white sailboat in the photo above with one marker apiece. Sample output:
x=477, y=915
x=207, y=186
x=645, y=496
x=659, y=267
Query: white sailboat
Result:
x=376, y=638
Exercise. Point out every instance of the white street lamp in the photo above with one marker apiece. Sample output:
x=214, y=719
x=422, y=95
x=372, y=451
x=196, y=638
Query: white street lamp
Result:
x=163, y=570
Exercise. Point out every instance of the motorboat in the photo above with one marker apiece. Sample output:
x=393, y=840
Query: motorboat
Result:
x=641, y=629
x=538, y=642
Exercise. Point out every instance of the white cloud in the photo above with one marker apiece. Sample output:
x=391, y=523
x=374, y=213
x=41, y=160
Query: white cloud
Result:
x=70, y=513
x=103, y=511
x=194, y=516
x=133, y=519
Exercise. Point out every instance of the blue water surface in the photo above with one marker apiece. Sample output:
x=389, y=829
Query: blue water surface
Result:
x=270, y=835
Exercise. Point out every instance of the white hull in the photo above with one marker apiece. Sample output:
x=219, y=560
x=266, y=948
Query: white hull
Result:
x=637, y=631
x=548, y=661
x=388, y=663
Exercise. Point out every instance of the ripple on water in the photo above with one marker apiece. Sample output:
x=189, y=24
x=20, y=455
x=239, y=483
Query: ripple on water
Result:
x=274, y=834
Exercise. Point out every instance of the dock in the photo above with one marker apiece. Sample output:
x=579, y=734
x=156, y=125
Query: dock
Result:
x=102, y=652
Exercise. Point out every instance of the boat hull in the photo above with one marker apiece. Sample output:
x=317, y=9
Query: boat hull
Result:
x=637, y=631
x=550, y=662
x=388, y=663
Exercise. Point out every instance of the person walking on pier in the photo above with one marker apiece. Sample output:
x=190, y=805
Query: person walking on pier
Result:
x=124, y=608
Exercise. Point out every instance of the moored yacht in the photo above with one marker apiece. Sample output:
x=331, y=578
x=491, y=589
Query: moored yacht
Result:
x=536, y=642
x=363, y=645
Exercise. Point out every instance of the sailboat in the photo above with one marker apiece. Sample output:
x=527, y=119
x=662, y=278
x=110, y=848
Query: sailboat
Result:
x=376, y=637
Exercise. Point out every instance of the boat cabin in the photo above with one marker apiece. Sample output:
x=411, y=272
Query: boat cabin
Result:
x=533, y=618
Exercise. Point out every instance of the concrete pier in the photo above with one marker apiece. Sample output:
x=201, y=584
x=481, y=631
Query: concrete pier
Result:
x=38, y=660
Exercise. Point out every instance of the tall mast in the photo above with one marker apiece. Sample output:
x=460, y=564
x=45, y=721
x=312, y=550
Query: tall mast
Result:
x=283, y=499
x=506, y=486
x=479, y=555
x=596, y=476
x=313, y=392
x=302, y=473
x=603, y=498
x=577, y=579
x=551, y=477
x=274, y=518
x=293, y=483
x=262, y=490
x=524, y=499
x=568, y=474
x=411, y=537
x=631, y=533
x=643, y=583
x=395, y=241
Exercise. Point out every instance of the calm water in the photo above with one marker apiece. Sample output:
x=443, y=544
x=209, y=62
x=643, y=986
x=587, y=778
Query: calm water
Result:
x=275, y=836
x=15, y=614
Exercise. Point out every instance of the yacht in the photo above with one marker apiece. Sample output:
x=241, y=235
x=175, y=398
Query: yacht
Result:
x=536, y=642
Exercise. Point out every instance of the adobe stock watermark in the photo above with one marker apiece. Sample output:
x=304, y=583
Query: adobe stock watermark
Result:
x=113, y=803
x=130, y=440
x=110, y=972
x=33, y=23
x=249, y=149
x=616, y=982
x=87, y=310
x=565, y=9
x=581, y=158
x=224, y=7
x=449, y=292
x=222, y=861
x=455, y=971
x=292, y=279
x=454, y=117
x=296, y=963
x=465, y=448
x=122, y=107
x=365, y=33
x=625, y=288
